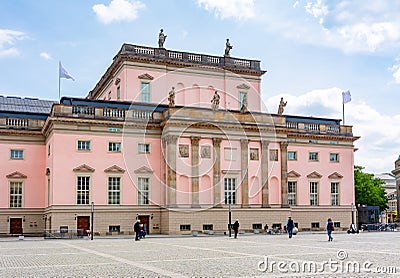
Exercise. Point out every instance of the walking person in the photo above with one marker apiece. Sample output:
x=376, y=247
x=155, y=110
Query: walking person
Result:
x=235, y=227
x=136, y=229
x=330, y=228
x=290, y=226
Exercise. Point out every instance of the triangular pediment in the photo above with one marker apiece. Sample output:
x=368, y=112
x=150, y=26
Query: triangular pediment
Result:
x=16, y=175
x=143, y=170
x=335, y=175
x=83, y=168
x=114, y=169
x=146, y=76
x=293, y=174
x=243, y=87
x=314, y=175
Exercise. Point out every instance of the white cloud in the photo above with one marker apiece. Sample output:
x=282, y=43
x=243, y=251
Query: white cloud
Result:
x=317, y=9
x=7, y=40
x=240, y=9
x=45, y=55
x=396, y=71
x=379, y=143
x=118, y=10
x=295, y=4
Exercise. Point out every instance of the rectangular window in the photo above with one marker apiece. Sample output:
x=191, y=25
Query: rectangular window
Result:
x=230, y=190
x=257, y=226
x=208, y=227
x=143, y=148
x=313, y=156
x=230, y=154
x=118, y=93
x=114, y=190
x=114, y=147
x=292, y=155
x=334, y=193
x=145, y=91
x=292, y=186
x=334, y=157
x=241, y=97
x=315, y=225
x=83, y=145
x=15, y=194
x=184, y=227
x=313, y=193
x=273, y=155
x=114, y=228
x=143, y=191
x=82, y=190
x=336, y=224
x=17, y=154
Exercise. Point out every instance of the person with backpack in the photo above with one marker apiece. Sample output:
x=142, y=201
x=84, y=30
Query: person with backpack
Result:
x=330, y=228
x=290, y=226
x=235, y=227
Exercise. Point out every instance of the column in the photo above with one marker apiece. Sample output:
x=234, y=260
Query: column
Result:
x=195, y=171
x=217, y=172
x=284, y=179
x=244, y=147
x=264, y=174
x=171, y=169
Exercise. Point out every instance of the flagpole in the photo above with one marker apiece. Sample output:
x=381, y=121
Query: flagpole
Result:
x=59, y=83
x=343, y=112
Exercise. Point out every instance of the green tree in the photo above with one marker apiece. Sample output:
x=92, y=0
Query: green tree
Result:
x=369, y=190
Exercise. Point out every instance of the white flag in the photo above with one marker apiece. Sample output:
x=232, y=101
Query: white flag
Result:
x=62, y=73
x=346, y=97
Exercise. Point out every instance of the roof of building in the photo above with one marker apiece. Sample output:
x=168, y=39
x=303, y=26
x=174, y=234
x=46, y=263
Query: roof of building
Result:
x=25, y=105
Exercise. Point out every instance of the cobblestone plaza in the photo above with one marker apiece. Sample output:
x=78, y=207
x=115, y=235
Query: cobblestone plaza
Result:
x=374, y=254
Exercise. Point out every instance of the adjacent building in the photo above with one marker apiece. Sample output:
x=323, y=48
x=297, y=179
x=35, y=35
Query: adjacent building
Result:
x=175, y=139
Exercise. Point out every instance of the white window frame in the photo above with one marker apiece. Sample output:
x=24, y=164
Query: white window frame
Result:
x=143, y=195
x=293, y=194
x=144, y=148
x=230, y=154
x=230, y=189
x=80, y=143
x=313, y=186
x=80, y=191
x=17, y=154
x=114, y=193
x=145, y=92
x=114, y=147
x=18, y=198
x=335, y=196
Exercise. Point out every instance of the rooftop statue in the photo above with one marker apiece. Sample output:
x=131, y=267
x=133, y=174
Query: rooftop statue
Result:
x=215, y=101
x=282, y=105
x=228, y=48
x=171, y=97
x=161, y=39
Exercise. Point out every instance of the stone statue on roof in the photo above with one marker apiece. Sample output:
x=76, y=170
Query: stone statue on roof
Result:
x=215, y=101
x=171, y=97
x=228, y=48
x=161, y=39
x=282, y=105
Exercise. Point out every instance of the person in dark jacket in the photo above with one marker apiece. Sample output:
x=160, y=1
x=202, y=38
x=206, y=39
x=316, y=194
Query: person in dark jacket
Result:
x=290, y=226
x=330, y=228
x=235, y=227
x=136, y=229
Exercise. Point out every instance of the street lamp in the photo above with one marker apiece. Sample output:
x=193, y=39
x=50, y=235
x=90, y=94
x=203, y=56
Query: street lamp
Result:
x=352, y=213
x=92, y=218
x=230, y=219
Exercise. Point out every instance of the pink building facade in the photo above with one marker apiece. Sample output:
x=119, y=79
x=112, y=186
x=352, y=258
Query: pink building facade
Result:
x=152, y=142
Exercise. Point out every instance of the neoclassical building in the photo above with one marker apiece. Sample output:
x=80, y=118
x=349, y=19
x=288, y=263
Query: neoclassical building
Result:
x=174, y=139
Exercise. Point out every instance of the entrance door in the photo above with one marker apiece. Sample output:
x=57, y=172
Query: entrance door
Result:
x=145, y=220
x=16, y=226
x=83, y=224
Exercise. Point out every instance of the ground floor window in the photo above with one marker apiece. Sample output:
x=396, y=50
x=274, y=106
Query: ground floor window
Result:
x=315, y=225
x=115, y=228
x=184, y=228
x=208, y=227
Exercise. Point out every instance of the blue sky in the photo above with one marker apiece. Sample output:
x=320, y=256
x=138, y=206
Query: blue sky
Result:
x=313, y=50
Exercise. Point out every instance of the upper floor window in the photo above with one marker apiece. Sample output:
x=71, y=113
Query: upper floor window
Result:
x=230, y=154
x=15, y=194
x=242, y=95
x=292, y=155
x=114, y=190
x=145, y=91
x=230, y=190
x=17, y=154
x=143, y=190
x=313, y=156
x=83, y=145
x=292, y=188
x=143, y=148
x=334, y=157
x=334, y=193
x=82, y=190
x=114, y=147
x=313, y=193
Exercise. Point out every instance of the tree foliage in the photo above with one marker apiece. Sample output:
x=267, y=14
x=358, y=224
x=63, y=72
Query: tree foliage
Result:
x=369, y=190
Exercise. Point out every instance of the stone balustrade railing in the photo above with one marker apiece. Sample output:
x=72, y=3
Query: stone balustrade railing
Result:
x=319, y=128
x=21, y=123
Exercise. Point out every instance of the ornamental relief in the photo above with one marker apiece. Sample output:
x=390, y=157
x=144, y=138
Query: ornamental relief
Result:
x=205, y=152
x=183, y=150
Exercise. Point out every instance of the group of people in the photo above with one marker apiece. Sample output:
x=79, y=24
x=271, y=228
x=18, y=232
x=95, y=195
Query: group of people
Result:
x=290, y=228
x=140, y=230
